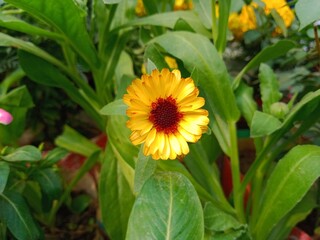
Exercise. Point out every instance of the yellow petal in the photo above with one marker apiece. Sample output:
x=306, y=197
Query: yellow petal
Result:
x=174, y=143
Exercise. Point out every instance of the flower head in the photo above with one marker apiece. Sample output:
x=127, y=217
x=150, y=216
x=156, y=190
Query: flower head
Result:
x=165, y=113
x=5, y=117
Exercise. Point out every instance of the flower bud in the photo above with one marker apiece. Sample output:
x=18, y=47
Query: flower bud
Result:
x=279, y=110
x=5, y=117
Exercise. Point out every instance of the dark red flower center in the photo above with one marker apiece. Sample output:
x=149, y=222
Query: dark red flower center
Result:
x=165, y=115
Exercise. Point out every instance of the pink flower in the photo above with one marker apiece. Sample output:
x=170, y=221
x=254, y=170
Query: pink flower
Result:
x=5, y=117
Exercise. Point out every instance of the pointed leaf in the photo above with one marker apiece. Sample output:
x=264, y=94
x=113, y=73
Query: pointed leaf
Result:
x=271, y=52
x=26, y=153
x=15, y=213
x=291, y=179
x=117, y=107
x=168, y=207
x=263, y=124
x=269, y=87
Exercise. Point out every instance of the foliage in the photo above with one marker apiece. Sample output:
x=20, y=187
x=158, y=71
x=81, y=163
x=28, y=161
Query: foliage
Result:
x=97, y=48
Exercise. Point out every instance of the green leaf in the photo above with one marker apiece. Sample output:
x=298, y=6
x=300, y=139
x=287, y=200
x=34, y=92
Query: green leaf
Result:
x=11, y=22
x=289, y=182
x=70, y=22
x=145, y=167
x=203, y=9
x=15, y=213
x=4, y=174
x=245, y=102
x=115, y=197
x=224, y=9
x=54, y=156
x=73, y=141
x=279, y=21
x=117, y=107
x=169, y=20
x=307, y=12
x=217, y=220
x=26, y=153
x=296, y=215
x=167, y=207
x=50, y=182
x=198, y=53
x=269, y=87
x=49, y=75
x=111, y=1
x=263, y=124
x=271, y=52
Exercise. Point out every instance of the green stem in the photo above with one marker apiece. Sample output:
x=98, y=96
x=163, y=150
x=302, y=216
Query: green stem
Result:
x=235, y=170
x=11, y=79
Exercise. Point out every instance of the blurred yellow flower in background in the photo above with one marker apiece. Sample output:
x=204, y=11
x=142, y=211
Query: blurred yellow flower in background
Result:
x=178, y=5
x=239, y=23
x=165, y=113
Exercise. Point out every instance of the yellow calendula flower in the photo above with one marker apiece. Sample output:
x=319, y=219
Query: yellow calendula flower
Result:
x=165, y=113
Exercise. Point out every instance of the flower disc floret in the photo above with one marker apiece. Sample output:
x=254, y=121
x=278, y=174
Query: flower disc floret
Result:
x=165, y=113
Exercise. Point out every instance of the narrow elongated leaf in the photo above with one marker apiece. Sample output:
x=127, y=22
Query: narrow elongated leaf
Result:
x=289, y=182
x=169, y=20
x=117, y=107
x=54, y=156
x=245, y=102
x=307, y=12
x=11, y=22
x=269, y=87
x=49, y=75
x=111, y=1
x=15, y=213
x=66, y=17
x=167, y=207
x=198, y=53
x=26, y=153
x=271, y=52
x=224, y=9
x=4, y=174
x=73, y=141
x=263, y=124
x=145, y=167
x=115, y=197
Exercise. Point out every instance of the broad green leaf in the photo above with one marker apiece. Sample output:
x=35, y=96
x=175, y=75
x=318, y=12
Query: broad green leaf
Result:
x=296, y=215
x=17, y=102
x=70, y=22
x=50, y=182
x=263, y=124
x=245, y=102
x=145, y=167
x=271, y=52
x=217, y=220
x=167, y=207
x=4, y=174
x=15, y=213
x=307, y=12
x=203, y=9
x=269, y=87
x=11, y=22
x=117, y=107
x=49, y=75
x=33, y=196
x=169, y=20
x=73, y=141
x=25, y=153
x=115, y=197
x=289, y=182
x=197, y=52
